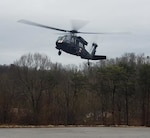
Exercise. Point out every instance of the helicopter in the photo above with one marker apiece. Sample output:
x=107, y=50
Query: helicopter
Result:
x=71, y=43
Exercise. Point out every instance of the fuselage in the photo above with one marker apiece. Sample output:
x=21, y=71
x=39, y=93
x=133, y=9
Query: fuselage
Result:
x=73, y=45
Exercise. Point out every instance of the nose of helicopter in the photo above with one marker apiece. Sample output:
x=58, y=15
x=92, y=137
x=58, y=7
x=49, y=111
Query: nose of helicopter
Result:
x=59, y=43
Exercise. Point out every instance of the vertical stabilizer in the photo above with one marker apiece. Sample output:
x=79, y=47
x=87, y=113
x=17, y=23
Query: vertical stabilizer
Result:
x=94, y=45
x=96, y=57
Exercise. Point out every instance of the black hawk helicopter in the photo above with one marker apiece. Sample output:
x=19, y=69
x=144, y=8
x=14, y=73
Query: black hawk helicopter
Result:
x=71, y=43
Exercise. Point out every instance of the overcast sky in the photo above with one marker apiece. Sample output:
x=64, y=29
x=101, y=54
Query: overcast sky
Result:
x=103, y=15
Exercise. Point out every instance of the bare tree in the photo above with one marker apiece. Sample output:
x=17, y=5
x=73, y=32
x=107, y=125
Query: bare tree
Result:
x=32, y=75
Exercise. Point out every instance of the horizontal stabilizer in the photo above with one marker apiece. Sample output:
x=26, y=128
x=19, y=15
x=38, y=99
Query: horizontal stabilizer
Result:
x=98, y=57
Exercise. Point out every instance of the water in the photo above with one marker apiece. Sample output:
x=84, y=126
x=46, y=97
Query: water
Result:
x=76, y=132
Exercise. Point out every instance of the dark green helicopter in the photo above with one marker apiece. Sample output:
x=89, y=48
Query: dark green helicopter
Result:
x=71, y=43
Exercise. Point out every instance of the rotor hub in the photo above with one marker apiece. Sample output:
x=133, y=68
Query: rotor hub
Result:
x=74, y=31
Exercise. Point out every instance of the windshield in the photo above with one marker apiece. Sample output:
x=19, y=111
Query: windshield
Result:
x=61, y=38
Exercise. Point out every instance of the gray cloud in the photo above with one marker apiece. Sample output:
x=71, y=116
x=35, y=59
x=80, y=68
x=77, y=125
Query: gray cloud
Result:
x=103, y=15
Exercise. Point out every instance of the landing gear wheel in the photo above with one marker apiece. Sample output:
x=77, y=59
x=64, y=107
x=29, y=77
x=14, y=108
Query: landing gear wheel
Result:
x=59, y=52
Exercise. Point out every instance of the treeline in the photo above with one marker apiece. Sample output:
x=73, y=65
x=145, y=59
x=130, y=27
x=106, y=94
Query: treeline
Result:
x=36, y=91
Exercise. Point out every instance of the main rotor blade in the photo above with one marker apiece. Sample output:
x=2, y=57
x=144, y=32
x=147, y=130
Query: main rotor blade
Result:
x=40, y=25
x=74, y=31
x=104, y=33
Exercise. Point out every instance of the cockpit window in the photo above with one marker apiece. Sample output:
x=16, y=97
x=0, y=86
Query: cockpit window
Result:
x=68, y=37
x=61, y=38
x=65, y=38
x=80, y=45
